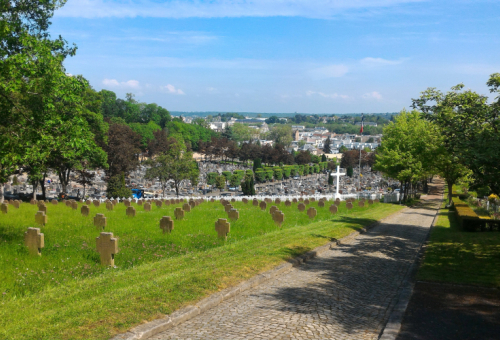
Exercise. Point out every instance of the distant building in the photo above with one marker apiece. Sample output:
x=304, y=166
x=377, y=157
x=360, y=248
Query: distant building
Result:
x=217, y=126
x=367, y=123
x=298, y=127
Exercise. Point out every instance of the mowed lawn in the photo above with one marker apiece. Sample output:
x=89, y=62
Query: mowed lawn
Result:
x=67, y=294
x=457, y=256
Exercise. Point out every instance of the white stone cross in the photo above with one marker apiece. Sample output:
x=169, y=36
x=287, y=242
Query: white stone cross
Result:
x=337, y=174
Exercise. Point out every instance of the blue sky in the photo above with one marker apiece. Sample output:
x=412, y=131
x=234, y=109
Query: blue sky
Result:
x=315, y=56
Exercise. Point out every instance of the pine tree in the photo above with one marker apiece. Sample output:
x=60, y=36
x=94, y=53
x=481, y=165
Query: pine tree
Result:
x=326, y=147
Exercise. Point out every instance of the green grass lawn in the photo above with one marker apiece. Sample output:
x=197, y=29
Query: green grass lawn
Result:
x=458, y=256
x=66, y=294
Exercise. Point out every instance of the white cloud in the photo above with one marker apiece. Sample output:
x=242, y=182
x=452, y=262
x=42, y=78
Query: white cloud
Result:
x=171, y=89
x=372, y=95
x=221, y=8
x=379, y=61
x=330, y=71
x=132, y=84
x=326, y=95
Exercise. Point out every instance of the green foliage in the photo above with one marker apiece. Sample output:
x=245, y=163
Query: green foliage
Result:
x=281, y=134
x=240, y=174
x=241, y=132
x=248, y=186
x=306, y=169
x=145, y=131
x=227, y=175
x=350, y=171
x=287, y=171
x=234, y=180
x=220, y=182
x=260, y=176
x=257, y=164
x=249, y=172
x=330, y=179
x=211, y=178
x=189, y=132
x=278, y=174
x=269, y=174
x=116, y=187
x=323, y=157
x=343, y=149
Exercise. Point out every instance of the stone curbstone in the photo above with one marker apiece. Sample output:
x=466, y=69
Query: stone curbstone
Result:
x=159, y=325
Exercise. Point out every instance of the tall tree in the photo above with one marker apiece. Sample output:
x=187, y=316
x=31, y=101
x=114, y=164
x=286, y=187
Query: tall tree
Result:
x=326, y=147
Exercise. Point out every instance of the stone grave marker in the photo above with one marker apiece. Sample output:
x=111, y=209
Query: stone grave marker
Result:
x=186, y=207
x=100, y=221
x=107, y=247
x=361, y=204
x=212, y=200
x=321, y=204
x=233, y=214
x=96, y=203
x=233, y=200
x=278, y=217
x=294, y=200
x=370, y=202
x=277, y=201
x=139, y=202
x=268, y=200
x=263, y=205
x=32, y=202
x=311, y=212
x=348, y=205
x=109, y=206
x=68, y=203
x=88, y=202
x=84, y=210
x=34, y=240
x=288, y=203
x=130, y=211
x=40, y=218
x=244, y=200
x=192, y=204
x=74, y=205
x=313, y=199
x=55, y=202
x=179, y=213
x=158, y=203
x=4, y=208
x=273, y=209
x=166, y=224
x=306, y=201
x=222, y=227
x=115, y=202
x=255, y=202
x=167, y=202
x=333, y=209
x=377, y=200
x=301, y=207
x=228, y=207
x=126, y=203
x=147, y=206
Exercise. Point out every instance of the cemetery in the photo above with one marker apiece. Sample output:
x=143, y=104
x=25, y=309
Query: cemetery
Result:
x=67, y=251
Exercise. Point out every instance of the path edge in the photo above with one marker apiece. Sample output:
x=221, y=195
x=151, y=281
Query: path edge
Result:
x=395, y=320
x=154, y=327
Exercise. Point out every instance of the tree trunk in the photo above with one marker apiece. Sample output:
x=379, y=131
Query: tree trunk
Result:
x=84, y=186
x=2, y=187
x=42, y=185
x=64, y=178
x=35, y=185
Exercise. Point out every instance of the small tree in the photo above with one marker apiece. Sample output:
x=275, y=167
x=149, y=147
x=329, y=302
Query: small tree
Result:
x=220, y=182
x=326, y=147
x=257, y=164
x=330, y=179
x=117, y=188
x=235, y=180
x=247, y=186
x=350, y=171
x=84, y=178
x=211, y=178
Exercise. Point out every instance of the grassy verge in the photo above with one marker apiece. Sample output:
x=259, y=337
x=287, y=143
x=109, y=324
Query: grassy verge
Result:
x=457, y=256
x=114, y=300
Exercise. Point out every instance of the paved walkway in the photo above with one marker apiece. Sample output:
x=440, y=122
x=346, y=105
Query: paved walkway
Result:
x=346, y=293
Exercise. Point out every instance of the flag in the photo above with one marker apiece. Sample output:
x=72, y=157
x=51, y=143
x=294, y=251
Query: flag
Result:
x=362, y=122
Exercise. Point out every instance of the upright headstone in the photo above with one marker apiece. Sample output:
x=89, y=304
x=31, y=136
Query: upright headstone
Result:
x=4, y=208
x=288, y=203
x=255, y=202
x=348, y=205
x=130, y=211
x=244, y=200
x=32, y=202
x=228, y=207
x=294, y=200
x=186, y=207
x=107, y=247
x=370, y=202
x=100, y=221
x=263, y=205
x=55, y=202
x=311, y=212
x=233, y=214
x=85, y=210
x=333, y=209
x=222, y=227
x=273, y=209
x=74, y=205
x=126, y=203
x=166, y=224
x=321, y=204
x=306, y=201
x=96, y=203
x=40, y=218
x=139, y=202
x=16, y=204
x=268, y=200
x=361, y=204
x=192, y=204
x=158, y=203
x=109, y=206
x=147, y=206
x=34, y=240
x=301, y=206
x=179, y=213
x=277, y=201
x=42, y=207
x=313, y=199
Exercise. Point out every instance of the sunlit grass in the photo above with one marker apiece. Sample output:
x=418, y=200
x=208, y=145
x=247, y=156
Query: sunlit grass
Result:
x=65, y=293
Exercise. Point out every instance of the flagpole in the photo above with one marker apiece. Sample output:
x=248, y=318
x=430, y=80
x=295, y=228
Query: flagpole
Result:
x=361, y=134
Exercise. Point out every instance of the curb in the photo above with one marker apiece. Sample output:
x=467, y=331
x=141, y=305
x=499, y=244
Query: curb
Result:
x=393, y=325
x=154, y=327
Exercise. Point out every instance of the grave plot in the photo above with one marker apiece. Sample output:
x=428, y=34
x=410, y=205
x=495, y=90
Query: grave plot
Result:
x=71, y=256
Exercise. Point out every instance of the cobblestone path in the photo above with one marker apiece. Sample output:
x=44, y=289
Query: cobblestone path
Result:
x=346, y=293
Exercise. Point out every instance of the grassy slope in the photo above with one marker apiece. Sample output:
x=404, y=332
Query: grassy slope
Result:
x=457, y=256
x=112, y=300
